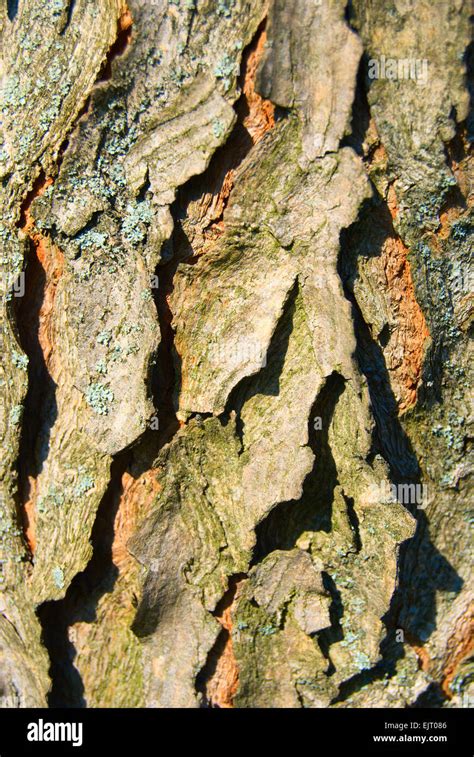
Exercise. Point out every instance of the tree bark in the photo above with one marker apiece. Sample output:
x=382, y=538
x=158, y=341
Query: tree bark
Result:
x=235, y=427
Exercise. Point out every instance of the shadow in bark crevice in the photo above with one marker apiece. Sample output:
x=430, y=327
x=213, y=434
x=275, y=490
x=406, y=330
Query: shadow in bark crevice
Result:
x=12, y=9
x=423, y=571
x=118, y=47
x=360, y=117
x=391, y=652
x=220, y=647
x=100, y=575
x=414, y=618
x=285, y=523
x=335, y=632
x=433, y=697
x=365, y=238
x=40, y=406
x=68, y=15
x=82, y=597
x=230, y=155
x=181, y=249
x=166, y=378
x=267, y=380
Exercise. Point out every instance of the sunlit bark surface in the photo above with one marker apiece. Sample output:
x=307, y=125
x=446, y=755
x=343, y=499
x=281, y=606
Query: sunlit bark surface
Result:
x=235, y=419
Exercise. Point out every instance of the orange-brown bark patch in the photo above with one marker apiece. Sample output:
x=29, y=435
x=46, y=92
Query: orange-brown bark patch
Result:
x=125, y=20
x=424, y=659
x=45, y=265
x=460, y=647
x=29, y=515
x=255, y=116
x=135, y=500
x=392, y=201
x=51, y=260
x=406, y=350
x=261, y=112
x=222, y=684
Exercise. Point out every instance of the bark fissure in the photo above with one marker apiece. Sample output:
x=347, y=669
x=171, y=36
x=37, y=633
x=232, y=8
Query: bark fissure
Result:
x=118, y=48
x=209, y=193
x=82, y=596
x=284, y=524
x=12, y=9
x=69, y=13
x=237, y=427
x=85, y=591
x=33, y=319
x=218, y=681
x=43, y=269
x=391, y=439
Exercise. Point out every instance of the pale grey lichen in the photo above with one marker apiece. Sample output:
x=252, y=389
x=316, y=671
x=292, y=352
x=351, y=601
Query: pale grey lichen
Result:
x=101, y=367
x=99, y=398
x=217, y=128
x=104, y=338
x=16, y=413
x=58, y=577
x=136, y=222
x=20, y=360
x=85, y=483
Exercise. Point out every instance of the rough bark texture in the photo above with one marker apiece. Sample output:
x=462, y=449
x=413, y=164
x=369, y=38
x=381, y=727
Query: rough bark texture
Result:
x=236, y=308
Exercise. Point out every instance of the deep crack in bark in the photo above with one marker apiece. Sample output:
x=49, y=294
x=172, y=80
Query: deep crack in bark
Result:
x=99, y=577
x=391, y=441
x=43, y=270
x=281, y=528
x=218, y=680
x=82, y=596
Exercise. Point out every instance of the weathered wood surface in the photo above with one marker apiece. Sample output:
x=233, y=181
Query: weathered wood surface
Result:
x=236, y=303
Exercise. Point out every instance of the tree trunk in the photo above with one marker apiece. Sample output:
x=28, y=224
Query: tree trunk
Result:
x=236, y=300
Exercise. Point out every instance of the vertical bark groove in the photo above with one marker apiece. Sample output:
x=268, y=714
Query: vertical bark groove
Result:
x=241, y=361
